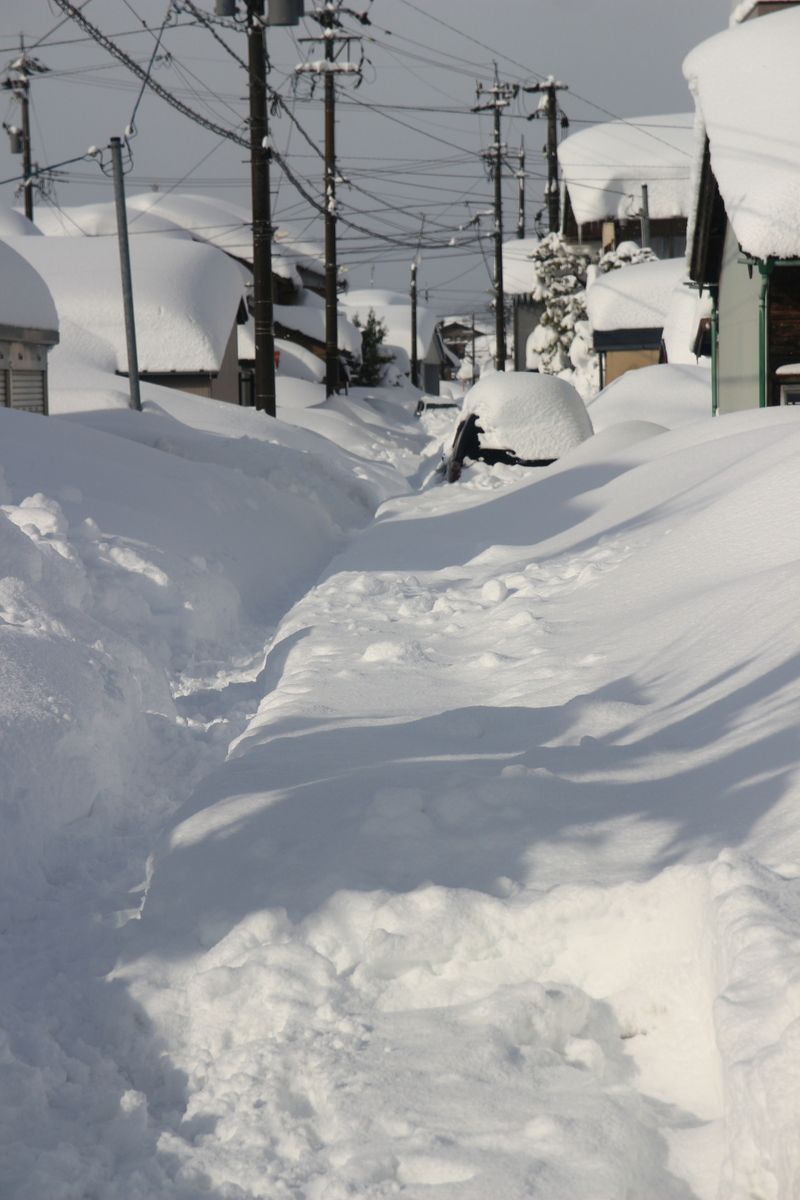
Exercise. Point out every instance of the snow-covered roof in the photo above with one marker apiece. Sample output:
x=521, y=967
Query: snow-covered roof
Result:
x=394, y=309
x=605, y=166
x=16, y=224
x=309, y=319
x=535, y=416
x=518, y=273
x=229, y=227
x=186, y=296
x=100, y=220
x=634, y=297
x=25, y=300
x=747, y=89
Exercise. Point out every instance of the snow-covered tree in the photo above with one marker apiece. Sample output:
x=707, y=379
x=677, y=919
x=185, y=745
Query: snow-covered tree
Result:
x=561, y=272
x=562, y=342
x=374, y=359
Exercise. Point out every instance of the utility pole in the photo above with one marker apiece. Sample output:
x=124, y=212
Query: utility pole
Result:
x=501, y=96
x=19, y=84
x=521, y=191
x=125, y=271
x=263, y=316
x=474, y=335
x=328, y=15
x=548, y=108
x=645, y=216
x=414, y=348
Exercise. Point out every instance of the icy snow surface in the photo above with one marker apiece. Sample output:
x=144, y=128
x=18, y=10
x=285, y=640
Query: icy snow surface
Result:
x=747, y=91
x=605, y=166
x=536, y=416
x=634, y=297
x=470, y=870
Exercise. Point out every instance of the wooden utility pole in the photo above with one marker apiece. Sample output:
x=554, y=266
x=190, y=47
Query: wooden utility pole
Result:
x=549, y=90
x=521, y=192
x=414, y=347
x=19, y=84
x=263, y=316
x=645, y=216
x=125, y=272
x=328, y=15
x=501, y=95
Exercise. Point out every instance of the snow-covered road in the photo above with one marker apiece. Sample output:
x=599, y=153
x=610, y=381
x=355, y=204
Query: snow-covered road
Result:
x=497, y=893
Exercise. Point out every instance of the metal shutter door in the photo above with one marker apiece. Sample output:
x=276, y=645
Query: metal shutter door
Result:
x=27, y=391
x=3, y=389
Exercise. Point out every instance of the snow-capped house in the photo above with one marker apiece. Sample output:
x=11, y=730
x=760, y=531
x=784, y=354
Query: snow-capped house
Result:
x=28, y=328
x=745, y=248
x=188, y=299
x=627, y=309
x=604, y=168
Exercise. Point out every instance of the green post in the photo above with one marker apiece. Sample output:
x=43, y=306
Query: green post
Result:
x=765, y=270
x=714, y=357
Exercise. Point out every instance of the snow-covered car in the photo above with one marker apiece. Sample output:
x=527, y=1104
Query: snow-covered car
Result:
x=518, y=417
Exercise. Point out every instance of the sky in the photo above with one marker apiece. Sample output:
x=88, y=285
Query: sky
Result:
x=408, y=145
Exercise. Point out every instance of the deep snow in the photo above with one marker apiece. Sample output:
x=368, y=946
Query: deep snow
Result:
x=483, y=881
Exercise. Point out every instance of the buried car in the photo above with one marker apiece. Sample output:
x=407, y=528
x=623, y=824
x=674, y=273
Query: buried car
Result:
x=518, y=417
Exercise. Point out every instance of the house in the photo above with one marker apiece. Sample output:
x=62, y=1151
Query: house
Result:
x=394, y=310
x=604, y=168
x=28, y=328
x=519, y=281
x=299, y=341
x=627, y=309
x=188, y=299
x=745, y=240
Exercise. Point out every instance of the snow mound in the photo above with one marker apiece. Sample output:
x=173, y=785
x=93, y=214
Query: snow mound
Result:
x=535, y=416
x=669, y=394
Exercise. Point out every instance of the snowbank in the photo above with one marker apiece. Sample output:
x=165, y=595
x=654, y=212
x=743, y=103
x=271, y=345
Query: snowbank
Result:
x=605, y=166
x=745, y=79
x=486, y=936
x=535, y=416
x=669, y=394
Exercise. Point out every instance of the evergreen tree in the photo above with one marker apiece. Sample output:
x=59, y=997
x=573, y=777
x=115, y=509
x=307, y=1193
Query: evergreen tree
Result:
x=560, y=285
x=374, y=360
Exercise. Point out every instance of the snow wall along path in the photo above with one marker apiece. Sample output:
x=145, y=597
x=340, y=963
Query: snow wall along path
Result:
x=499, y=892
x=146, y=559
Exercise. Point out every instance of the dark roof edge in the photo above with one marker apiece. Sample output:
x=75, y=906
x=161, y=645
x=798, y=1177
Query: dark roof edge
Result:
x=628, y=339
x=21, y=333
